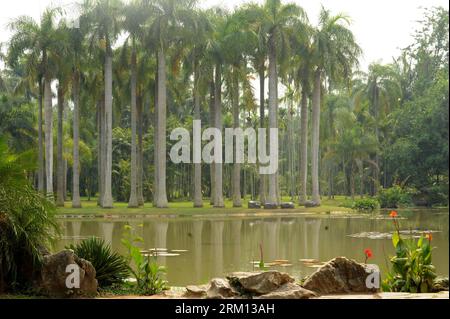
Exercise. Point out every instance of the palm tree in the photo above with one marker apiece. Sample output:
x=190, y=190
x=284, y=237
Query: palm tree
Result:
x=335, y=53
x=135, y=17
x=63, y=74
x=254, y=21
x=163, y=32
x=76, y=54
x=302, y=64
x=104, y=16
x=35, y=42
x=279, y=18
x=216, y=51
x=196, y=63
x=237, y=43
x=383, y=90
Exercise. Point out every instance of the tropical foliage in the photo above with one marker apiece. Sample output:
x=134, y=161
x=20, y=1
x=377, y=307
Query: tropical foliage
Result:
x=27, y=222
x=110, y=267
x=131, y=72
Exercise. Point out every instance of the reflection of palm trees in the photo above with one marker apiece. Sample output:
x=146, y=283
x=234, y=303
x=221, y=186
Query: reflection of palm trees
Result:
x=161, y=237
x=76, y=229
x=197, y=238
x=311, y=242
x=316, y=237
x=236, y=241
x=270, y=237
x=107, y=230
x=217, y=247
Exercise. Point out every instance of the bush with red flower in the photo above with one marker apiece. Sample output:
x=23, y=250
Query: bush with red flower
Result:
x=412, y=269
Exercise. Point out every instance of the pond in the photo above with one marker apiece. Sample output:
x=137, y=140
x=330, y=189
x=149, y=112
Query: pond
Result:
x=195, y=250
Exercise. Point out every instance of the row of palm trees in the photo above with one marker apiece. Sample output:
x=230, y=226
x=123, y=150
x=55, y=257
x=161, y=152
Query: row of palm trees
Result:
x=214, y=48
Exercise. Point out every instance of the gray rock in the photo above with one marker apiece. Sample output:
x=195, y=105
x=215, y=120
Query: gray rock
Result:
x=220, y=288
x=288, y=205
x=254, y=204
x=310, y=203
x=289, y=291
x=340, y=275
x=196, y=291
x=270, y=206
x=258, y=283
x=440, y=284
x=53, y=277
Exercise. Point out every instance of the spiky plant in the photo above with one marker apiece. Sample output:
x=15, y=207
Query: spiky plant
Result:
x=111, y=268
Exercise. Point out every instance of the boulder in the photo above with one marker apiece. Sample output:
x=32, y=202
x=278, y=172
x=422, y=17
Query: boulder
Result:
x=310, y=203
x=220, y=288
x=254, y=204
x=440, y=284
x=196, y=291
x=340, y=275
x=270, y=206
x=288, y=205
x=53, y=277
x=258, y=283
x=289, y=291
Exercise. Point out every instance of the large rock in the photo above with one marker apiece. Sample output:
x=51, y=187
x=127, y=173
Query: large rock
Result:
x=196, y=291
x=54, y=275
x=310, y=203
x=259, y=283
x=440, y=284
x=270, y=206
x=287, y=205
x=340, y=275
x=289, y=291
x=254, y=204
x=220, y=288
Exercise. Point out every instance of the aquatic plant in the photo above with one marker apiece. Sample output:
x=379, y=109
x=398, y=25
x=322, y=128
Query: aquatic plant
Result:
x=144, y=268
x=412, y=269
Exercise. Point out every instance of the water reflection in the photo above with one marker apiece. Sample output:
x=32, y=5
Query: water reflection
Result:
x=212, y=247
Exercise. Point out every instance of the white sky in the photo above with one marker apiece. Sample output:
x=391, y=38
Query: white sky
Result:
x=381, y=27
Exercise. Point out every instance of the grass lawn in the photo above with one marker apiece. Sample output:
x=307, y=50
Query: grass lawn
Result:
x=185, y=208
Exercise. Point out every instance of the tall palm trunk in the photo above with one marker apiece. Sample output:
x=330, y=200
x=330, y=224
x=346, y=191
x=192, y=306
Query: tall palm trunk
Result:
x=161, y=198
x=48, y=136
x=273, y=113
x=76, y=202
x=304, y=148
x=41, y=166
x=101, y=148
x=59, y=155
x=212, y=117
x=236, y=166
x=315, y=138
x=107, y=194
x=140, y=153
x=197, y=166
x=262, y=177
x=133, y=202
x=218, y=197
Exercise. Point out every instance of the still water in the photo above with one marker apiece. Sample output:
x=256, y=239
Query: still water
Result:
x=196, y=249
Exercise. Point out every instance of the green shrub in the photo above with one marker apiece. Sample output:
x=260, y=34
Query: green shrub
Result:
x=27, y=221
x=366, y=204
x=412, y=269
x=395, y=197
x=148, y=274
x=437, y=195
x=110, y=267
x=347, y=203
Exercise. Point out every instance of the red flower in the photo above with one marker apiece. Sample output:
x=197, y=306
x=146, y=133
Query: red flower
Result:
x=429, y=236
x=393, y=214
x=368, y=252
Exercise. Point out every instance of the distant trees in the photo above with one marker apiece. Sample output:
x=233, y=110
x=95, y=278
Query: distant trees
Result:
x=179, y=63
